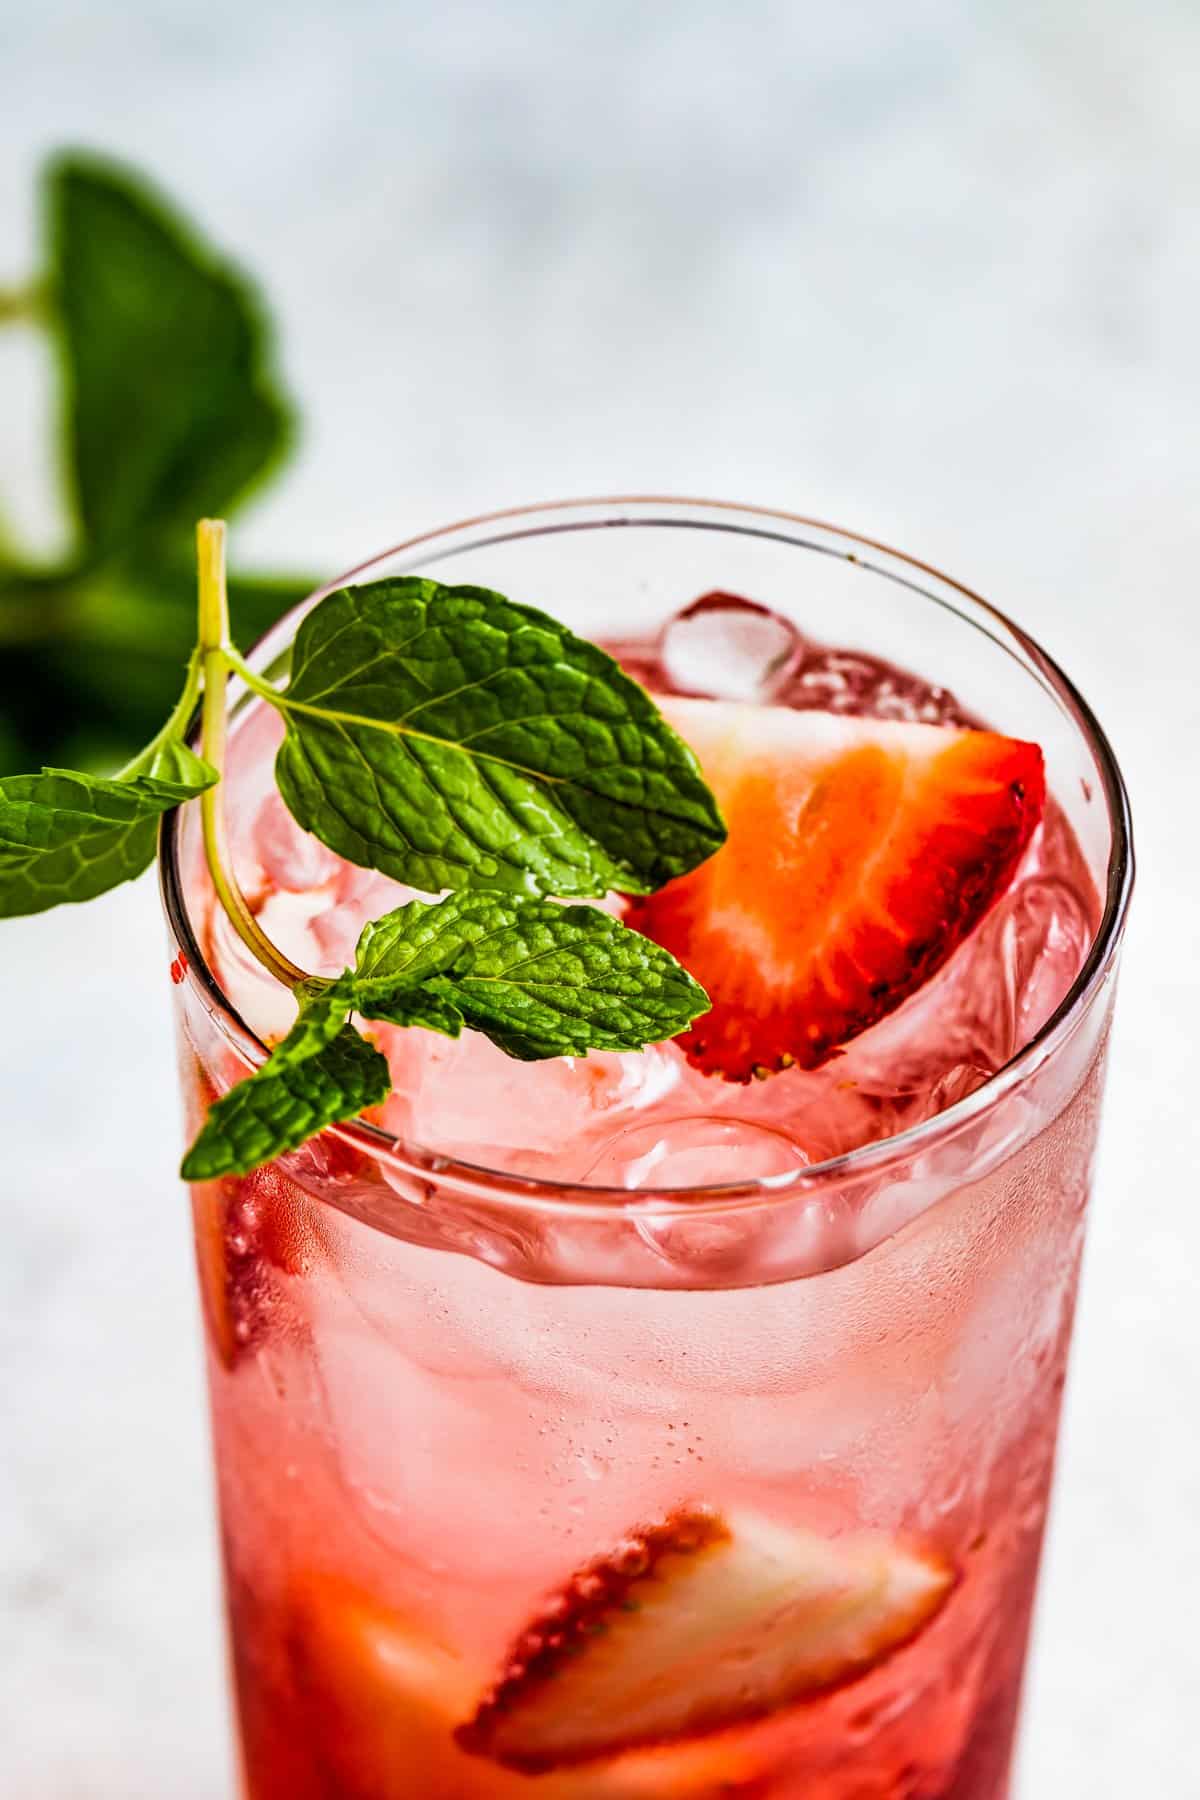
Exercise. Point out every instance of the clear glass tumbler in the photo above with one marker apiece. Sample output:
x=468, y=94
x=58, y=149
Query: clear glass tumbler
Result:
x=450, y=1400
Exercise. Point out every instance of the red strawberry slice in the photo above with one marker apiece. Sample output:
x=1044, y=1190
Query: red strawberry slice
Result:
x=246, y=1229
x=697, y=1624
x=860, y=854
x=381, y=1697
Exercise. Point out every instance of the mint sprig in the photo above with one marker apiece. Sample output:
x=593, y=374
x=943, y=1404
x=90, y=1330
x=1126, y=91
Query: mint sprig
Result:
x=457, y=741
x=540, y=980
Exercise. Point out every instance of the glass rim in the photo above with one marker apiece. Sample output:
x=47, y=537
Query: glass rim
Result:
x=584, y=1199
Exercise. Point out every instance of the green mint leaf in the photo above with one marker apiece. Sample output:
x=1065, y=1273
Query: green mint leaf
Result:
x=563, y=980
x=425, y=938
x=325, y=1007
x=295, y=1095
x=453, y=739
x=171, y=408
x=416, y=1006
x=539, y=979
x=68, y=836
x=175, y=763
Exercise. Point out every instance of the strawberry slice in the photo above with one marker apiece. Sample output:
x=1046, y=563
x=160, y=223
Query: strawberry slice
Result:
x=697, y=1624
x=860, y=854
x=246, y=1228
x=381, y=1698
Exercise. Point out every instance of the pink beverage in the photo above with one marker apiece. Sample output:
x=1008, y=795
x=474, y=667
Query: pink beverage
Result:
x=599, y=1428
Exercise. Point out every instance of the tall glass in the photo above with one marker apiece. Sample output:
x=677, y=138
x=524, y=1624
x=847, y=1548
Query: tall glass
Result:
x=439, y=1389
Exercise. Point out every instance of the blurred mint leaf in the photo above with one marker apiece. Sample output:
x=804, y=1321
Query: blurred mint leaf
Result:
x=89, y=662
x=23, y=305
x=67, y=836
x=296, y=1093
x=453, y=739
x=171, y=409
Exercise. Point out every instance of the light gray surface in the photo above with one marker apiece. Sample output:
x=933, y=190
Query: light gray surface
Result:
x=928, y=270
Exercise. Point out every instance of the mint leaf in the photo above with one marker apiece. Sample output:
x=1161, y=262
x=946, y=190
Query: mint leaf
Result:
x=166, y=394
x=325, y=1007
x=425, y=938
x=295, y=1094
x=171, y=408
x=173, y=762
x=323, y=1071
x=453, y=739
x=68, y=836
x=540, y=980
x=416, y=1006
x=563, y=980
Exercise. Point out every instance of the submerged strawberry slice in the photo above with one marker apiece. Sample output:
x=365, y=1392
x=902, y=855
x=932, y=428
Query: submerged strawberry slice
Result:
x=382, y=1697
x=861, y=852
x=246, y=1228
x=695, y=1625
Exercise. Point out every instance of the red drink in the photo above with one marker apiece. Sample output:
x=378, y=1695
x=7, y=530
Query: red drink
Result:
x=611, y=1430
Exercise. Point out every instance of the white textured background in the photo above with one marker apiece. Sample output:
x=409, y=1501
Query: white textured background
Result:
x=930, y=270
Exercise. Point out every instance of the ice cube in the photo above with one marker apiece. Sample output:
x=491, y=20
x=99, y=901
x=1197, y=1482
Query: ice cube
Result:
x=846, y=681
x=291, y=858
x=465, y=1098
x=1052, y=929
x=336, y=930
x=729, y=648
x=355, y=896
x=700, y=1151
x=695, y=1152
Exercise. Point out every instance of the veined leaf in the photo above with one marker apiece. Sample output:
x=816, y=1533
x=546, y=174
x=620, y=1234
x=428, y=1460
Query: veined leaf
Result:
x=67, y=836
x=417, y=1006
x=539, y=979
x=453, y=739
x=171, y=408
x=296, y=1094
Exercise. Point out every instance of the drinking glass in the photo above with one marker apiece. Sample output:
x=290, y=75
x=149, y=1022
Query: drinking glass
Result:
x=442, y=1384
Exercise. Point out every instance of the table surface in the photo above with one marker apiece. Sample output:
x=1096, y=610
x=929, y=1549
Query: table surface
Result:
x=928, y=271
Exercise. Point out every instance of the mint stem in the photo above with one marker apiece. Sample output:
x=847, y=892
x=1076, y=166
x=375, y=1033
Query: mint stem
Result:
x=175, y=727
x=217, y=655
